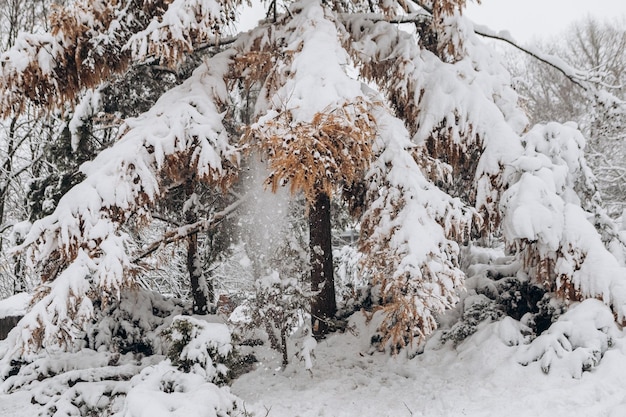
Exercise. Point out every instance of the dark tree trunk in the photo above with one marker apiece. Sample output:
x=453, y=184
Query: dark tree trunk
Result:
x=323, y=304
x=200, y=305
x=283, y=347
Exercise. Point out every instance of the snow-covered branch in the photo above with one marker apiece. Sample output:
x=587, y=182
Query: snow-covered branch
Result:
x=578, y=77
x=182, y=232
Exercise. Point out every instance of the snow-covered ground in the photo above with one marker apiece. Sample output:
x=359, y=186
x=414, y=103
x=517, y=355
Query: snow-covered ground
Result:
x=480, y=377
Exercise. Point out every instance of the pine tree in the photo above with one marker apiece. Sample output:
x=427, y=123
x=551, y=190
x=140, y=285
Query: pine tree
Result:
x=421, y=134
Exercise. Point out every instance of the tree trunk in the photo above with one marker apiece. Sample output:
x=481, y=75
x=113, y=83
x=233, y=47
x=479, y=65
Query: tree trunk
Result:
x=200, y=305
x=323, y=304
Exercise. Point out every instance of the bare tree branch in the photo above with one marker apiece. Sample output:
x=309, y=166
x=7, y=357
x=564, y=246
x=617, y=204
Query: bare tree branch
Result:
x=555, y=62
x=182, y=232
x=569, y=72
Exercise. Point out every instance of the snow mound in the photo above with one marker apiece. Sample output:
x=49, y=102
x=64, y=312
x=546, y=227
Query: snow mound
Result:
x=164, y=391
x=576, y=342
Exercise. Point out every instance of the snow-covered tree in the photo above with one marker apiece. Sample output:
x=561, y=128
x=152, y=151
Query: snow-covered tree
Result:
x=420, y=132
x=599, y=48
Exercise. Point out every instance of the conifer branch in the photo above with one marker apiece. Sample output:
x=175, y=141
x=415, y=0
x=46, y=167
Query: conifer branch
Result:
x=418, y=17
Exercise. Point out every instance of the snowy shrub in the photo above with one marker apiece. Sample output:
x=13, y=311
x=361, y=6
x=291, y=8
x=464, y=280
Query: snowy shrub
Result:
x=497, y=287
x=546, y=212
x=53, y=364
x=200, y=347
x=131, y=325
x=576, y=342
x=134, y=323
x=90, y=399
x=528, y=302
x=277, y=307
x=477, y=309
x=163, y=390
x=85, y=383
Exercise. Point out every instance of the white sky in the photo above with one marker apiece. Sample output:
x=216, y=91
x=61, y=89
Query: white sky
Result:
x=526, y=19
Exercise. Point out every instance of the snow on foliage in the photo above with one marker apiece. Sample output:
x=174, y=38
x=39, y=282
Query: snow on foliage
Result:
x=117, y=379
x=16, y=305
x=199, y=347
x=163, y=390
x=80, y=246
x=131, y=325
x=472, y=122
x=84, y=110
x=185, y=384
x=418, y=277
x=576, y=342
x=92, y=40
x=184, y=25
x=433, y=147
x=328, y=132
x=543, y=220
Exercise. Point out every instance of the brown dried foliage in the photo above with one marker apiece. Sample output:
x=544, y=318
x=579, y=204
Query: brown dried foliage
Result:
x=253, y=67
x=462, y=157
x=77, y=66
x=407, y=319
x=542, y=269
x=83, y=55
x=333, y=149
x=181, y=166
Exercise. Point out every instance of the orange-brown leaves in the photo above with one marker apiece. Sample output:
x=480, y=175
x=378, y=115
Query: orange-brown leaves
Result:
x=443, y=8
x=544, y=269
x=90, y=40
x=253, y=67
x=61, y=65
x=332, y=149
x=181, y=166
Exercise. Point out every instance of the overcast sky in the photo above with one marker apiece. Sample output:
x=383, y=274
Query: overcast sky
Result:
x=526, y=19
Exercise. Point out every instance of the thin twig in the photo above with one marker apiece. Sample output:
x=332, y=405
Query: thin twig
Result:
x=543, y=59
x=407, y=407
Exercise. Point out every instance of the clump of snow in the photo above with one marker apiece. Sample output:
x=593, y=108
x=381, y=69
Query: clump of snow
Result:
x=86, y=108
x=163, y=390
x=308, y=347
x=576, y=342
x=318, y=66
x=16, y=305
x=200, y=347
